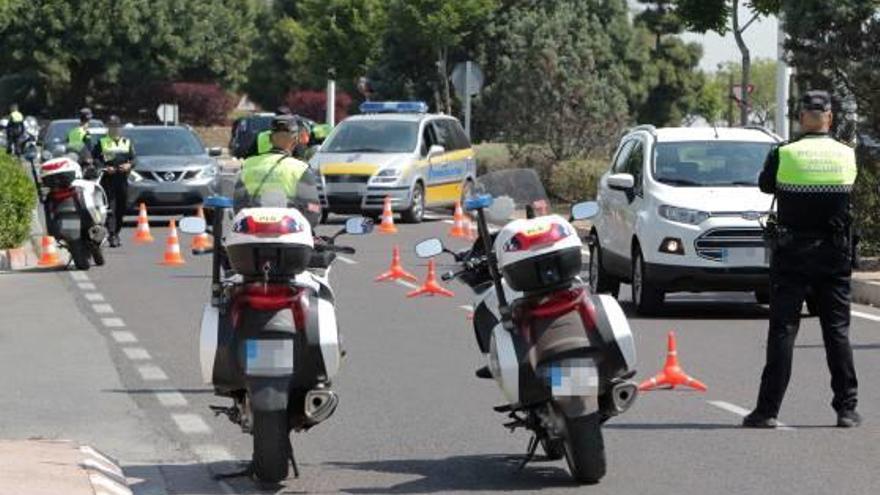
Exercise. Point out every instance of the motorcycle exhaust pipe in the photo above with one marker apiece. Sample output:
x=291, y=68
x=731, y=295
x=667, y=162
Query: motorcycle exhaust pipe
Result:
x=320, y=405
x=623, y=395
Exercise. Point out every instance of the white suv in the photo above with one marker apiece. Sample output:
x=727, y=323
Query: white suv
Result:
x=679, y=211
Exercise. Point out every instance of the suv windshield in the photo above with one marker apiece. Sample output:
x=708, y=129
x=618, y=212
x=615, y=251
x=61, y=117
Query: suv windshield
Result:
x=167, y=141
x=710, y=163
x=57, y=131
x=373, y=136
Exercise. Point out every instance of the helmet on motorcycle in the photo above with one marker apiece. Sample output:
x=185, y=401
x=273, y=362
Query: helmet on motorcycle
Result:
x=85, y=114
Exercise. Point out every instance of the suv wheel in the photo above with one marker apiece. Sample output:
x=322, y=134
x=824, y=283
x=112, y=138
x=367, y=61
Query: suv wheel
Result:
x=416, y=211
x=600, y=281
x=647, y=298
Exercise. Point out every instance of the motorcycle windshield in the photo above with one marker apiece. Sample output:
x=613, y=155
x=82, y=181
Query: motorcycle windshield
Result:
x=513, y=192
x=266, y=195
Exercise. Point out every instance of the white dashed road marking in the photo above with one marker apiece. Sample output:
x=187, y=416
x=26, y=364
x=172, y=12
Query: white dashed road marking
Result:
x=112, y=322
x=191, y=424
x=152, y=373
x=124, y=337
x=212, y=453
x=171, y=398
x=94, y=296
x=102, y=309
x=79, y=276
x=466, y=307
x=86, y=286
x=740, y=411
x=136, y=353
x=867, y=316
x=345, y=260
x=407, y=284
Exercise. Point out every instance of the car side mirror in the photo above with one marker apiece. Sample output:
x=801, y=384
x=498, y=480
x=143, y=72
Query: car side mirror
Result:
x=435, y=150
x=622, y=182
x=585, y=210
x=429, y=248
x=358, y=226
x=193, y=225
x=215, y=151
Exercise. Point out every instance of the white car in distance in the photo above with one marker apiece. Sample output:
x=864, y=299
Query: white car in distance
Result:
x=680, y=211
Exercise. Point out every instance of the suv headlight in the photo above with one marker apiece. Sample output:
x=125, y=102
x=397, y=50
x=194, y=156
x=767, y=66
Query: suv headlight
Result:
x=133, y=176
x=208, y=172
x=683, y=215
x=387, y=175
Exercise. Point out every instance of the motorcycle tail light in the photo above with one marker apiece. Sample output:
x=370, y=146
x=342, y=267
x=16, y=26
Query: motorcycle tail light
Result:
x=249, y=225
x=51, y=167
x=524, y=241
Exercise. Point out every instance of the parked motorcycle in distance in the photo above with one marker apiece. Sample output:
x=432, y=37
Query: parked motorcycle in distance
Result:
x=269, y=338
x=562, y=357
x=75, y=208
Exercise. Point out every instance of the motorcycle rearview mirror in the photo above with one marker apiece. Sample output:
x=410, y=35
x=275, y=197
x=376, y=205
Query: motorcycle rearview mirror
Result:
x=193, y=225
x=429, y=248
x=358, y=226
x=584, y=210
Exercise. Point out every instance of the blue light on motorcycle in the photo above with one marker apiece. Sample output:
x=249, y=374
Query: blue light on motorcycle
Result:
x=478, y=202
x=394, y=107
x=218, y=202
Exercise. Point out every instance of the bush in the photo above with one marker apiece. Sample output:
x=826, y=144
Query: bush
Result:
x=491, y=157
x=17, y=200
x=199, y=103
x=313, y=104
x=866, y=200
x=576, y=180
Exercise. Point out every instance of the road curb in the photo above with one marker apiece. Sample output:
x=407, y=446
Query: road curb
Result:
x=866, y=292
x=44, y=467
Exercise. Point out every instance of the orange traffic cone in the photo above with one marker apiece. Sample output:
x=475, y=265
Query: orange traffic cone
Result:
x=396, y=272
x=142, y=234
x=431, y=287
x=172, y=247
x=458, y=223
x=387, y=225
x=672, y=374
x=48, y=252
x=201, y=243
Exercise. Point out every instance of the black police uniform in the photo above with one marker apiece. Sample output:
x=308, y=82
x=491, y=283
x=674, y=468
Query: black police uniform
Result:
x=115, y=185
x=813, y=251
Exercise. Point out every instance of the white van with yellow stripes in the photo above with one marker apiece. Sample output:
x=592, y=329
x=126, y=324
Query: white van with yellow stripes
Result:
x=396, y=150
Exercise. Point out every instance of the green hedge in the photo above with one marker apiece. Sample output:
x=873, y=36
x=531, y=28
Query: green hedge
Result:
x=576, y=180
x=866, y=202
x=17, y=199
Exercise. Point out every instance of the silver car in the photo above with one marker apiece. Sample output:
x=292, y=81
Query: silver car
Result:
x=173, y=170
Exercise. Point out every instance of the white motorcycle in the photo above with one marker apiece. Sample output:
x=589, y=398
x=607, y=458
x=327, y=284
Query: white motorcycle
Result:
x=269, y=338
x=562, y=357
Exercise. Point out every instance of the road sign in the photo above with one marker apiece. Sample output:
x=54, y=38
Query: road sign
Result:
x=467, y=77
x=167, y=113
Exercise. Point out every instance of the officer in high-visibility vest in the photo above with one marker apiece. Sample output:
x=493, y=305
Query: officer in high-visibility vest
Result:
x=278, y=177
x=114, y=154
x=812, y=248
x=78, y=137
x=14, y=129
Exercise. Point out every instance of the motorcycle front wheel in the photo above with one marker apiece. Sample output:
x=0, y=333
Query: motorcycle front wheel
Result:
x=272, y=447
x=585, y=448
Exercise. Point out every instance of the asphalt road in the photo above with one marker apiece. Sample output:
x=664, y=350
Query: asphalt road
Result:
x=414, y=419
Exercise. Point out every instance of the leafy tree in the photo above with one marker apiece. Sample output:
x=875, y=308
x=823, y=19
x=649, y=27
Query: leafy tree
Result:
x=547, y=86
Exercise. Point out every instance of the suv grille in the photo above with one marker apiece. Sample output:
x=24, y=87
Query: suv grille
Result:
x=713, y=244
x=347, y=178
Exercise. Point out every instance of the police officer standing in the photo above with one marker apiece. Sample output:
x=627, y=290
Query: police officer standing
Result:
x=114, y=154
x=78, y=137
x=812, y=178
x=14, y=129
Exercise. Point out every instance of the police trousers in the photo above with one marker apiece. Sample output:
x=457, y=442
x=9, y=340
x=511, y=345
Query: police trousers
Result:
x=116, y=188
x=820, y=266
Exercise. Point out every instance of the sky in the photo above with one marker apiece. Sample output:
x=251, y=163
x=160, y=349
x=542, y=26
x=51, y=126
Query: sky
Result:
x=760, y=38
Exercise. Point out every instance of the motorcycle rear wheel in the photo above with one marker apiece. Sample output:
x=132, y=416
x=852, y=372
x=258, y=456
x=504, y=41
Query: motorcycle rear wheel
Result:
x=585, y=448
x=97, y=253
x=272, y=448
x=80, y=254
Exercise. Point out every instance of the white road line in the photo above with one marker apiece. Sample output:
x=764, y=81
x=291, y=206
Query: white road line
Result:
x=867, y=316
x=124, y=337
x=585, y=252
x=85, y=285
x=171, y=398
x=740, y=411
x=466, y=307
x=102, y=309
x=94, y=296
x=450, y=222
x=348, y=261
x=112, y=322
x=212, y=453
x=191, y=424
x=79, y=276
x=136, y=353
x=151, y=372
x=407, y=284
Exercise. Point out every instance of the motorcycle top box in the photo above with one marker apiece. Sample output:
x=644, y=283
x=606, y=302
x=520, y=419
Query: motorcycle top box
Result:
x=60, y=172
x=270, y=242
x=538, y=254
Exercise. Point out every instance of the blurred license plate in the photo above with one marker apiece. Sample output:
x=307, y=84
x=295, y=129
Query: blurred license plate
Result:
x=574, y=377
x=69, y=223
x=746, y=255
x=269, y=357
